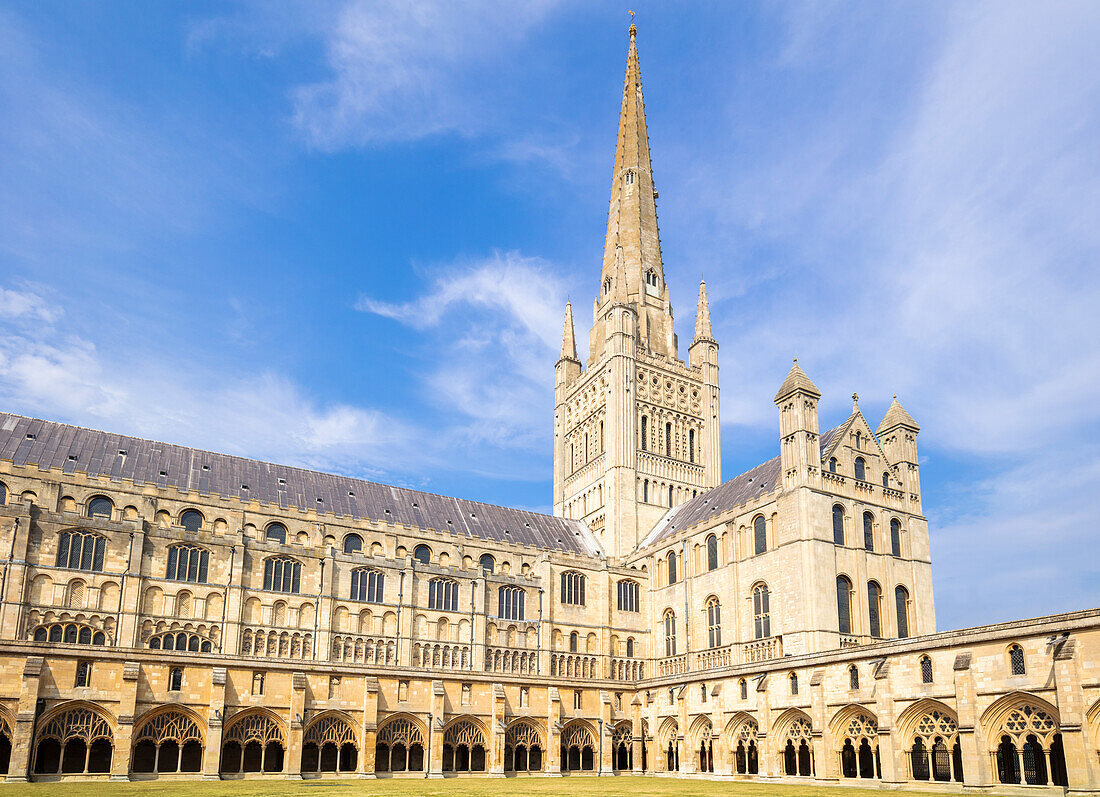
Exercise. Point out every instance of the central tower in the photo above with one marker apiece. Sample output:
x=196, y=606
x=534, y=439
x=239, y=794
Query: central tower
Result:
x=636, y=430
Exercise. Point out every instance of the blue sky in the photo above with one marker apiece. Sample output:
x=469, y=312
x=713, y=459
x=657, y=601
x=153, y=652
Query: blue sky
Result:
x=341, y=234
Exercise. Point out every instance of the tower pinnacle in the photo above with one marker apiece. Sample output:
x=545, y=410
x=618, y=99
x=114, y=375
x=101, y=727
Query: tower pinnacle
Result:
x=568, y=339
x=702, y=315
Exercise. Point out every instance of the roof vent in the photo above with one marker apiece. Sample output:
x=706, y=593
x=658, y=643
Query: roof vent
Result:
x=387, y=511
x=206, y=467
x=244, y=486
x=416, y=505
x=474, y=516
x=507, y=532
x=164, y=473
x=528, y=525
x=30, y=436
x=122, y=452
x=72, y=457
x=282, y=481
x=450, y=522
x=351, y=494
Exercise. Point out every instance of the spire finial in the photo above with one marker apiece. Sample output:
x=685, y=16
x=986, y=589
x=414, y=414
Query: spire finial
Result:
x=855, y=401
x=633, y=29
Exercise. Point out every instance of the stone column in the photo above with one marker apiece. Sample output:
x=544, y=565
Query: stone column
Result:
x=22, y=741
x=212, y=756
x=370, y=727
x=978, y=768
x=127, y=705
x=495, y=765
x=636, y=741
x=605, y=765
x=435, y=730
x=553, y=732
x=292, y=759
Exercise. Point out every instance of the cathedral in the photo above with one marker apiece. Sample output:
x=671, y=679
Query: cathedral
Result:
x=172, y=613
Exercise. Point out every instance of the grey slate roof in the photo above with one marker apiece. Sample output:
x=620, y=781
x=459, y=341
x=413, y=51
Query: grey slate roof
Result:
x=46, y=444
x=738, y=490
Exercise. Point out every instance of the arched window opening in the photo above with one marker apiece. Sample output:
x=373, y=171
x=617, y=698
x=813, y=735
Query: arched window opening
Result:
x=868, y=531
x=282, y=574
x=73, y=742
x=861, y=469
x=175, y=679
x=760, y=535
x=859, y=439
x=368, y=585
x=714, y=623
x=443, y=595
x=523, y=748
x=885, y=479
x=668, y=439
x=101, y=507
x=874, y=609
x=895, y=537
x=487, y=563
x=1016, y=660
x=253, y=743
x=743, y=687
x=78, y=550
x=353, y=543
x=572, y=588
x=180, y=641
x=191, y=520
x=832, y=464
x=844, y=604
x=510, y=603
x=712, y=552
x=792, y=679
x=670, y=499
x=574, y=642
x=853, y=677
x=672, y=577
x=645, y=433
x=925, y=670
x=761, y=611
x=628, y=593
x=167, y=742
x=188, y=563
x=276, y=532
x=399, y=747
x=838, y=524
x=630, y=647
x=691, y=445
x=901, y=601
x=422, y=554
x=670, y=633
x=645, y=491
x=329, y=745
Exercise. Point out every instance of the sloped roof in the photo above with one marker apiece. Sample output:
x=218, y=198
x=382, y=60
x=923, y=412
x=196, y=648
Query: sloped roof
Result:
x=797, y=380
x=45, y=444
x=895, y=416
x=749, y=486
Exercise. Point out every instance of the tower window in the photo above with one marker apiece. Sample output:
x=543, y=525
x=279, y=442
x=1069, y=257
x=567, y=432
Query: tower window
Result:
x=925, y=670
x=652, y=283
x=868, y=531
x=668, y=439
x=861, y=469
x=691, y=445
x=1016, y=660
x=760, y=535
x=832, y=464
x=712, y=552
x=645, y=431
x=670, y=495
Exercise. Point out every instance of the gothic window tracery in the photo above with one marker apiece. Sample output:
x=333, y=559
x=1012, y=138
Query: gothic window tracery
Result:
x=169, y=741
x=368, y=585
x=282, y=574
x=188, y=563
x=714, y=622
x=761, y=611
x=81, y=550
x=74, y=741
x=572, y=588
x=443, y=594
x=901, y=601
x=760, y=535
x=844, y=604
x=670, y=632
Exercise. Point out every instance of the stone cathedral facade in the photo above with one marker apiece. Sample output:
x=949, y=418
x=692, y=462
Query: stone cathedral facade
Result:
x=167, y=612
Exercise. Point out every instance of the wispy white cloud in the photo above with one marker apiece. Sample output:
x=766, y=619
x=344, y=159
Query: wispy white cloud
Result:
x=49, y=371
x=402, y=70
x=495, y=330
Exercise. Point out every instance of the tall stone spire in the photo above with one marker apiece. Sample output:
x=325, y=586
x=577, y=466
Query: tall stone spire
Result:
x=702, y=315
x=632, y=215
x=568, y=339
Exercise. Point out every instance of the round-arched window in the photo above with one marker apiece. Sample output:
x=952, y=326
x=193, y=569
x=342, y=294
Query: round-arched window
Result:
x=353, y=543
x=100, y=507
x=422, y=554
x=191, y=520
x=276, y=532
x=487, y=562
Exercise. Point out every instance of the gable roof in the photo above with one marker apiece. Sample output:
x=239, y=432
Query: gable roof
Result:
x=30, y=442
x=739, y=490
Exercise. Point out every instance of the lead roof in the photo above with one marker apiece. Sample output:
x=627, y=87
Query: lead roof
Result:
x=30, y=442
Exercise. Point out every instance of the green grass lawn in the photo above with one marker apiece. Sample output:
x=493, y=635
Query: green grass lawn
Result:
x=575, y=786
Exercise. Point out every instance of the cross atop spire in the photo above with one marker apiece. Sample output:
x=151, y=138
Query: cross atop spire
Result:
x=632, y=215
